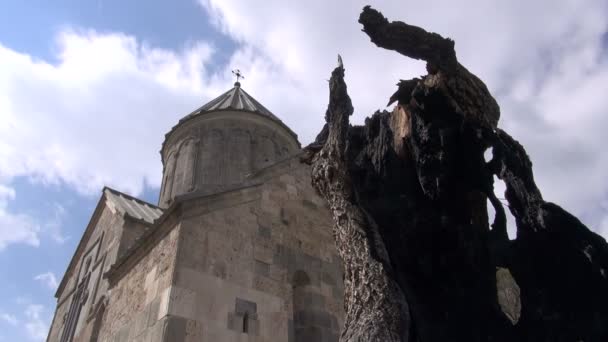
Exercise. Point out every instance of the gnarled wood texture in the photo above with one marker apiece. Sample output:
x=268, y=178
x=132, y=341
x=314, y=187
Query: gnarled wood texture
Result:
x=408, y=193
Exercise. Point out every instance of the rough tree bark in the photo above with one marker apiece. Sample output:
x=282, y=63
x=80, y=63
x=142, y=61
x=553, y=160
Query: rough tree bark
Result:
x=408, y=195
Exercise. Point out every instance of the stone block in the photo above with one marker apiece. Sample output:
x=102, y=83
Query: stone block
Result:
x=312, y=266
x=264, y=220
x=263, y=251
x=165, y=298
x=243, y=306
x=194, y=253
x=278, y=273
x=307, y=299
x=264, y=231
x=330, y=336
x=335, y=325
x=154, y=307
x=310, y=248
x=267, y=285
x=139, y=322
x=337, y=293
x=218, y=269
x=174, y=329
x=183, y=303
x=315, y=317
x=122, y=335
x=286, y=217
x=284, y=257
x=155, y=332
x=261, y=268
x=327, y=278
x=322, y=319
x=292, y=191
x=287, y=178
x=194, y=331
x=290, y=331
x=151, y=284
x=308, y=334
x=253, y=327
x=320, y=202
x=272, y=208
x=234, y=321
x=308, y=204
x=207, y=305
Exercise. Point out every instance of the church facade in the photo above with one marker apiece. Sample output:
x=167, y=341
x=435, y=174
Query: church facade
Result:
x=239, y=248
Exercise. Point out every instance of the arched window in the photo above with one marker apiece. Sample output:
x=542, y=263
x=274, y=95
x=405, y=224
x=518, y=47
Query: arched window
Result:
x=244, y=318
x=168, y=181
x=266, y=152
x=238, y=156
x=184, y=167
x=210, y=160
x=308, y=310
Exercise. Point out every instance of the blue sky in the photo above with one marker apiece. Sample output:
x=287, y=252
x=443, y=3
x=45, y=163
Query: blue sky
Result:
x=30, y=27
x=89, y=88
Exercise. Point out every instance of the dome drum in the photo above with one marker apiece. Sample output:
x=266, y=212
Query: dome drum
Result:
x=213, y=150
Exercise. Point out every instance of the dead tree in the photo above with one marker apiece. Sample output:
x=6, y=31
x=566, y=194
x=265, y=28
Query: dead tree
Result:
x=408, y=194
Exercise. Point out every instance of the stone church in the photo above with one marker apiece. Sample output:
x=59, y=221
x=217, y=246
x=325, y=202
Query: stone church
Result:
x=239, y=247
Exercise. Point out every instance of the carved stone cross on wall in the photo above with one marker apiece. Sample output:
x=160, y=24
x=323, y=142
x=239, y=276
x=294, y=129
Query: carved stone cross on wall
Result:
x=79, y=298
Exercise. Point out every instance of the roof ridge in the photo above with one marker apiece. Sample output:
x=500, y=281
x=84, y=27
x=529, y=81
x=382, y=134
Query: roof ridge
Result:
x=131, y=197
x=258, y=104
x=235, y=99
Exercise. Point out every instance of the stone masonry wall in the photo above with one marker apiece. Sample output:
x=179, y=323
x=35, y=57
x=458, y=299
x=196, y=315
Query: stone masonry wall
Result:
x=217, y=150
x=258, y=264
x=101, y=247
x=138, y=303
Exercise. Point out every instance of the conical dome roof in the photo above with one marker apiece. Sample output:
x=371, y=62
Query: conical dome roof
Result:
x=236, y=99
x=220, y=144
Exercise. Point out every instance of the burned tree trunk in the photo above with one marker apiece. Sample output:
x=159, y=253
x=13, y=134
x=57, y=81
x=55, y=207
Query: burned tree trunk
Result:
x=408, y=194
x=375, y=306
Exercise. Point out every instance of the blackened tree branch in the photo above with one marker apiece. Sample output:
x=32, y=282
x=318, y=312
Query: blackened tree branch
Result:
x=408, y=194
x=375, y=307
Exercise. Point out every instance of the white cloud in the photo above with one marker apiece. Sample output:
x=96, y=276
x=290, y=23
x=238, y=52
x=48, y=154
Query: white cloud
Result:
x=49, y=279
x=98, y=115
x=36, y=327
x=54, y=225
x=23, y=300
x=15, y=228
x=19, y=228
x=546, y=65
x=10, y=319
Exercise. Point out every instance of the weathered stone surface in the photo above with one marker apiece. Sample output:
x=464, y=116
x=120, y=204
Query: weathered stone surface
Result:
x=175, y=329
x=214, y=151
x=509, y=296
x=241, y=220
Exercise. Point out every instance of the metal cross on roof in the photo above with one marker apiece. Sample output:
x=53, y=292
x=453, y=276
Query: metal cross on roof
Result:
x=238, y=75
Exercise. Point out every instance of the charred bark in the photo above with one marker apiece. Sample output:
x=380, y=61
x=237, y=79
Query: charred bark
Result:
x=375, y=306
x=408, y=194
